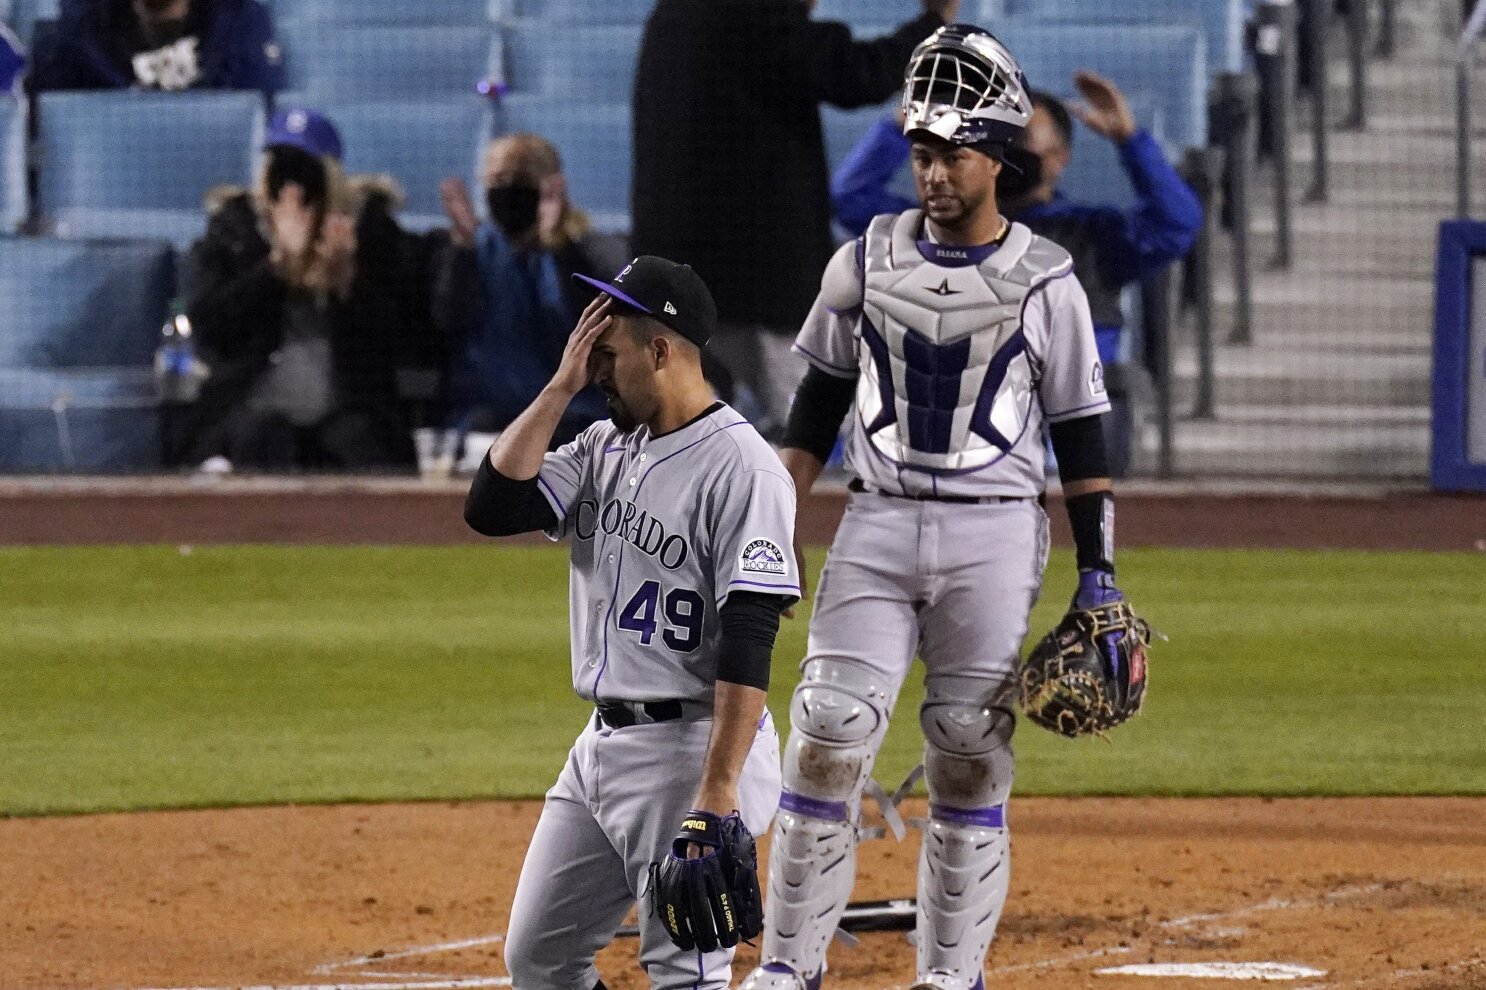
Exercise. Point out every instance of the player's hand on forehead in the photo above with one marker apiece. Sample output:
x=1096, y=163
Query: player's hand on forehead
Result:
x=573, y=371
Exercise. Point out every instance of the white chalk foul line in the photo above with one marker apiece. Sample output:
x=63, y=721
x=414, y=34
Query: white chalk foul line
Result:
x=1118, y=950
x=1216, y=970
x=422, y=950
x=1407, y=974
x=1273, y=904
x=372, y=974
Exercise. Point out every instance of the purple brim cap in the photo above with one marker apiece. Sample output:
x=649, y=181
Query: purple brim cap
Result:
x=616, y=293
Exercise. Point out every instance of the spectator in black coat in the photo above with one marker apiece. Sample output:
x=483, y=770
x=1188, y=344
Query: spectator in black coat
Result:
x=158, y=44
x=730, y=167
x=305, y=300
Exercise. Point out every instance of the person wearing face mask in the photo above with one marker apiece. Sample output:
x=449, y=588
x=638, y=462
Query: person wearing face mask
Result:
x=1111, y=247
x=305, y=301
x=503, y=299
x=159, y=44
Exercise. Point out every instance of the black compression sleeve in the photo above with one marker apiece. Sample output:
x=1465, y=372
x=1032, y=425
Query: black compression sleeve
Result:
x=1078, y=444
x=501, y=506
x=815, y=417
x=1092, y=519
x=750, y=621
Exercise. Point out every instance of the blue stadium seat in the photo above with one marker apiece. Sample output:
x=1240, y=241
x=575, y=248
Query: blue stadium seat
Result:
x=1221, y=21
x=571, y=12
x=418, y=142
x=25, y=13
x=375, y=12
x=12, y=164
x=96, y=420
x=138, y=164
x=891, y=13
x=1168, y=64
x=584, y=63
x=82, y=321
x=335, y=62
x=594, y=141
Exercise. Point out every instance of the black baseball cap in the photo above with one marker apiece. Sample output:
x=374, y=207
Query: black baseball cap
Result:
x=671, y=293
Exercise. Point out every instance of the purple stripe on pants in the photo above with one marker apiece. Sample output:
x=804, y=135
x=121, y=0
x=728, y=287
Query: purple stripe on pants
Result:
x=799, y=804
x=992, y=817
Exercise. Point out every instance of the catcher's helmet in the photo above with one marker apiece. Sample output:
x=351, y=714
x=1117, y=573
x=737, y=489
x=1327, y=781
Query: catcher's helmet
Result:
x=964, y=86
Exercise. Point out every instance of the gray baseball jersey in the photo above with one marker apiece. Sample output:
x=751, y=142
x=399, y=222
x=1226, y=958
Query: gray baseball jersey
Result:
x=960, y=354
x=663, y=529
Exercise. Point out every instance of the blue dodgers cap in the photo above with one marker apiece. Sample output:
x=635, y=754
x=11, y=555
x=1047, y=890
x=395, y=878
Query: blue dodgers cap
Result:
x=308, y=130
x=671, y=293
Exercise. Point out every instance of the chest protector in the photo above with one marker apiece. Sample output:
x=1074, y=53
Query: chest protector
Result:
x=948, y=377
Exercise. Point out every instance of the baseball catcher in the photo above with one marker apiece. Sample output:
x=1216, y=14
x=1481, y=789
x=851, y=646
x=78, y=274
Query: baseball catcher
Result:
x=1088, y=675
x=712, y=899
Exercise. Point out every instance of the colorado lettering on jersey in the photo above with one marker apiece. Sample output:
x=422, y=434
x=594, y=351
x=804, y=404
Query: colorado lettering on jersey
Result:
x=634, y=526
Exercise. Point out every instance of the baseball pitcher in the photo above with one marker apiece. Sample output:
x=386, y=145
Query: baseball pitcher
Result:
x=680, y=520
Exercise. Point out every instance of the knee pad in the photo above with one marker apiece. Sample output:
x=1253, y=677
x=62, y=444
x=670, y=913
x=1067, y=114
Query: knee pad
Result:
x=837, y=720
x=968, y=761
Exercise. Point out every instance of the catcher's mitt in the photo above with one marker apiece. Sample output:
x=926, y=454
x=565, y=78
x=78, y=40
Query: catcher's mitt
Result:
x=712, y=900
x=1087, y=675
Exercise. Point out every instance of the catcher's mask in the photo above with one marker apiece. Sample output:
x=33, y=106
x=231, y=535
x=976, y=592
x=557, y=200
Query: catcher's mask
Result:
x=964, y=86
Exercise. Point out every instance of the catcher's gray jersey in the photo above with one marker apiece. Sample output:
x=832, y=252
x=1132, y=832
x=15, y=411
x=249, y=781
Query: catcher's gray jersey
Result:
x=663, y=529
x=961, y=355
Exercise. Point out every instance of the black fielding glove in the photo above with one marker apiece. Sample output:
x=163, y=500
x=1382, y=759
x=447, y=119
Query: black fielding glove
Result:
x=713, y=900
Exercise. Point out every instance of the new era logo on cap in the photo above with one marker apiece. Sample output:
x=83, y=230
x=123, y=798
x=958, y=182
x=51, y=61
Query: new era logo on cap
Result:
x=670, y=309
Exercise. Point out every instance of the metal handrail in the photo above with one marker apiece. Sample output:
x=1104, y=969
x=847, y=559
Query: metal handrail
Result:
x=1464, y=62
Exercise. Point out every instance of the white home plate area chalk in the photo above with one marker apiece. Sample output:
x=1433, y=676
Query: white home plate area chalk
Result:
x=1216, y=970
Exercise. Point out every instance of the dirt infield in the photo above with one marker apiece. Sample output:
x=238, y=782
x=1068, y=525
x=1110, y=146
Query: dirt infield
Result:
x=337, y=511
x=1380, y=894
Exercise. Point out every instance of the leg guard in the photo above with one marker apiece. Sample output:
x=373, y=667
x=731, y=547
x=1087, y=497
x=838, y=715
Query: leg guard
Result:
x=837, y=720
x=965, y=861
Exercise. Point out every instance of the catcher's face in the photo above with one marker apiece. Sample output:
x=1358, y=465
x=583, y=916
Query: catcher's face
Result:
x=954, y=183
x=623, y=366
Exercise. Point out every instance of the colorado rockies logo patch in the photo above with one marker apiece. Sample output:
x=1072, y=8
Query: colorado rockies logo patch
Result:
x=764, y=557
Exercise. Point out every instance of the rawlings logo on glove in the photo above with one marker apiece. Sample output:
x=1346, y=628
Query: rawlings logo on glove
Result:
x=1089, y=674
x=713, y=900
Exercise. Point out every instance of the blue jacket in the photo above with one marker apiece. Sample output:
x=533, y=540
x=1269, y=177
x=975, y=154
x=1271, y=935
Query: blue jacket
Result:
x=506, y=317
x=1111, y=247
x=237, y=47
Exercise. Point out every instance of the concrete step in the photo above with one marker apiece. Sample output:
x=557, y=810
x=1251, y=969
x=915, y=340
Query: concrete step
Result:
x=1309, y=416
x=1272, y=377
x=1209, y=448
x=1288, y=289
x=1328, y=316
x=1335, y=345
x=1402, y=152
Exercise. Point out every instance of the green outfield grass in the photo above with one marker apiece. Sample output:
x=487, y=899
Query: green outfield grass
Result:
x=151, y=677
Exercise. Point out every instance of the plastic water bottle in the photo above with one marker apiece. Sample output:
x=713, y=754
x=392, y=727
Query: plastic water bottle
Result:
x=178, y=373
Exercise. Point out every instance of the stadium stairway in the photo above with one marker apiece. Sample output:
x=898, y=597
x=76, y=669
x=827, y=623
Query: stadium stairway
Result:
x=1336, y=381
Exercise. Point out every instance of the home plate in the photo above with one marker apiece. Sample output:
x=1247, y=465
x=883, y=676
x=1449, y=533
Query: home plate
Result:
x=1216, y=970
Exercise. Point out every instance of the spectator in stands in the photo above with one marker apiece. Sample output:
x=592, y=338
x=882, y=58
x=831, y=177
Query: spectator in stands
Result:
x=731, y=177
x=1111, y=247
x=504, y=300
x=158, y=44
x=304, y=296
